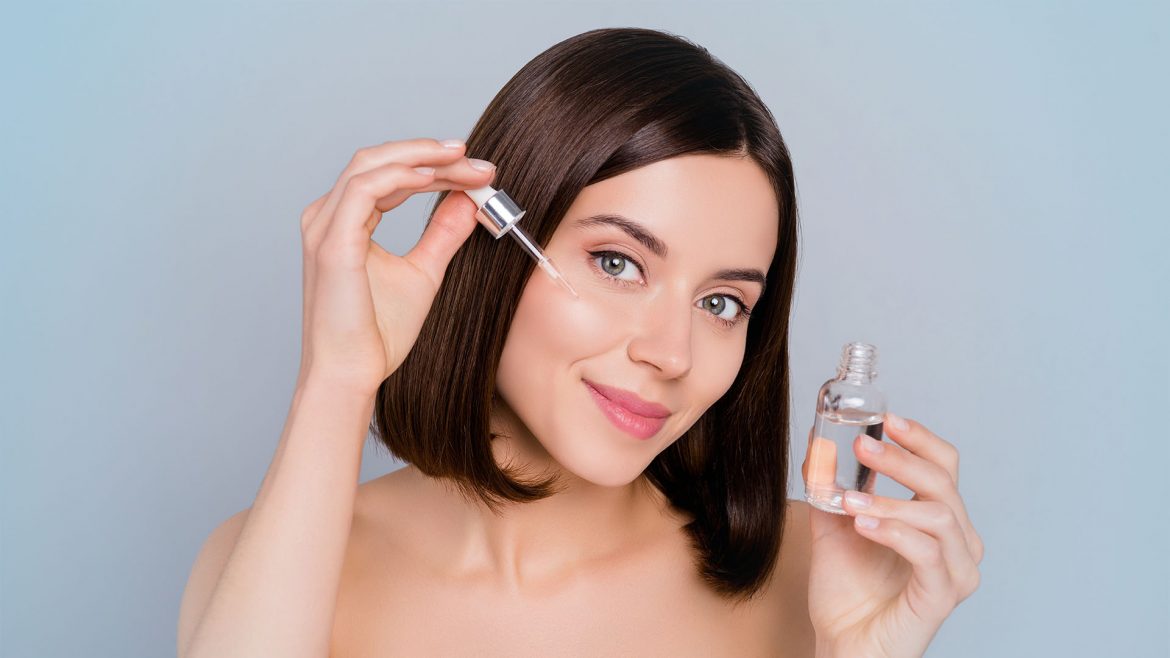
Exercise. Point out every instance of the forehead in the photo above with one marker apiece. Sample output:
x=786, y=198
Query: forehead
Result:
x=696, y=204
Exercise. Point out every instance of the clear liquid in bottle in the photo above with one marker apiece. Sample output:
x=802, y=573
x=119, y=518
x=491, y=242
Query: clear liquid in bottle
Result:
x=847, y=406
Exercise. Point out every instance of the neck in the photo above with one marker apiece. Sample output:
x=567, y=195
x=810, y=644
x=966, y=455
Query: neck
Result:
x=536, y=544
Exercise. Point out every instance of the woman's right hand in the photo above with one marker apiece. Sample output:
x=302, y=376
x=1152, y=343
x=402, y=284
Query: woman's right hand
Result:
x=363, y=306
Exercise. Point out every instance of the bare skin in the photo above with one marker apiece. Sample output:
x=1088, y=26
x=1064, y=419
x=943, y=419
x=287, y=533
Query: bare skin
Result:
x=600, y=568
x=405, y=566
x=403, y=595
x=603, y=567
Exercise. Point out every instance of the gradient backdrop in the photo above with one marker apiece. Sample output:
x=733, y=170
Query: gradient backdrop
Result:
x=982, y=192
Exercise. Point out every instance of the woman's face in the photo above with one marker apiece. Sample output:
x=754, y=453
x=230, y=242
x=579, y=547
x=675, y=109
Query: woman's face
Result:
x=667, y=327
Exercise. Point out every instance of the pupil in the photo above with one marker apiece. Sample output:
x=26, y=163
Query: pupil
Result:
x=615, y=262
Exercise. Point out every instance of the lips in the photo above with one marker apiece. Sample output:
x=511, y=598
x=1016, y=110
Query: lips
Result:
x=625, y=419
x=630, y=401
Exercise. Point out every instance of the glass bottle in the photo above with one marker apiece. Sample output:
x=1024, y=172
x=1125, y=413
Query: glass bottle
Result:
x=847, y=405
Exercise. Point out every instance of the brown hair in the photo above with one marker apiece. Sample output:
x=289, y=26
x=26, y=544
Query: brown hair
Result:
x=592, y=107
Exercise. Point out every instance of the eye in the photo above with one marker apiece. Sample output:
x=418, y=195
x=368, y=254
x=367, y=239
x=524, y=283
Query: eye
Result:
x=614, y=263
x=718, y=304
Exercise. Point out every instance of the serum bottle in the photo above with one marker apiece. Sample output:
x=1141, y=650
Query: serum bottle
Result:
x=847, y=405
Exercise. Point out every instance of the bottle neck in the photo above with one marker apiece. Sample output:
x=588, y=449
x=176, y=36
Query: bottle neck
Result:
x=854, y=378
x=858, y=363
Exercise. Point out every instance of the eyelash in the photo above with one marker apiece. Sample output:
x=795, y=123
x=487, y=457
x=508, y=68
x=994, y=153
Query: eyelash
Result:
x=744, y=311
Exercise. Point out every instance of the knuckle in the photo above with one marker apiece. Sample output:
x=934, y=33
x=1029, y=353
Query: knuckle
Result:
x=933, y=555
x=430, y=143
x=941, y=515
x=950, y=454
x=360, y=184
x=969, y=583
x=894, y=532
x=398, y=169
x=312, y=209
x=362, y=158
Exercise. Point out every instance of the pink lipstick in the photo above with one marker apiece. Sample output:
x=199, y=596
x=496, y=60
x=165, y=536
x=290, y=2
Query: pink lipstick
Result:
x=627, y=411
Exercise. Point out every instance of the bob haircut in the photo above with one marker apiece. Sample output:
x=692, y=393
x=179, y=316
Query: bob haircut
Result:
x=587, y=109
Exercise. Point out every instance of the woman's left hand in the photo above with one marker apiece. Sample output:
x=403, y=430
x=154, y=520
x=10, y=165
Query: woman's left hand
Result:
x=885, y=591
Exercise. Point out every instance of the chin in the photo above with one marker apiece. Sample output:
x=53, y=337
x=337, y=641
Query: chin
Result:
x=588, y=458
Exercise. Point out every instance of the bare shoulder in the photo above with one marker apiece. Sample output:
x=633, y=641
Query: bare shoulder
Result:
x=386, y=513
x=205, y=572
x=378, y=498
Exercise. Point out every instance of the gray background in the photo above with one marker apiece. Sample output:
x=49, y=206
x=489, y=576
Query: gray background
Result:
x=982, y=194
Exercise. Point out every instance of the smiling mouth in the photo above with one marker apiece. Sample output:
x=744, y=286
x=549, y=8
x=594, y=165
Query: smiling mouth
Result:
x=636, y=425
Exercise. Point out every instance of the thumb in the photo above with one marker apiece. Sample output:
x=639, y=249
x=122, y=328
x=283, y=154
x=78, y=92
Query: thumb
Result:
x=449, y=227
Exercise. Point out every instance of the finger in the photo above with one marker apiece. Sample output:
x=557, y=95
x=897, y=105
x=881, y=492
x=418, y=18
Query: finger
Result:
x=927, y=479
x=820, y=464
x=413, y=152
x=924, y=443
x=917, y=438
x=922, y=476
x=932, y=517
x=307, y=268
x=804, y=465
x=931, y=590
x=307, y=216
x=449, y=227
x=459, y=175
x=311, y=211
x=346, y=237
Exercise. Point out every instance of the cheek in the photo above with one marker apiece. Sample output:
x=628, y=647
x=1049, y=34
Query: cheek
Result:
x=557, y=328
x=549, y=334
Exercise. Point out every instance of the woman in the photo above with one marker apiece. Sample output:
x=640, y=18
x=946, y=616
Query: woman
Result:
x=602, y=475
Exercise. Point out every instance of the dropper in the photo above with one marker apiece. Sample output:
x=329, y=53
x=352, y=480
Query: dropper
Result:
x=499, y=214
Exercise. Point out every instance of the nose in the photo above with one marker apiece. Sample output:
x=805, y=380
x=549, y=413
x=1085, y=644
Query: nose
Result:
x=663, y=338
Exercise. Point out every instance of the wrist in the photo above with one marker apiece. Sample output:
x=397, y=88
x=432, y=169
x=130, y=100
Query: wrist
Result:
x=321, y=383
x=340, y=397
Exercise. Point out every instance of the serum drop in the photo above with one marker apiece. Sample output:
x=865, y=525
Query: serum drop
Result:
x=847, y=405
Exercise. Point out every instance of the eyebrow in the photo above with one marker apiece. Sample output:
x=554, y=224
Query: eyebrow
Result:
x=658, y=247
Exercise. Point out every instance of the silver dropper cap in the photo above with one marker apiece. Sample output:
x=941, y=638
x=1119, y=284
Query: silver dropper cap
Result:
x=499, y=214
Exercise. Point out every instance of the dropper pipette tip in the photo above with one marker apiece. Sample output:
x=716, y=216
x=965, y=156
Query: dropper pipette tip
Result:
x=547, y=266
x=499, y=213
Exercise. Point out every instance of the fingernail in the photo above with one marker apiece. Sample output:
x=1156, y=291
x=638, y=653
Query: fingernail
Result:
x=870, y=444
x=866, y=521
x=482, y=165
x=857, y=499
x=898, y=422
x=452, y=143
x=425, y=170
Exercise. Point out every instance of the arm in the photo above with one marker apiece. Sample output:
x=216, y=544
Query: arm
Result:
x=266, y=580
